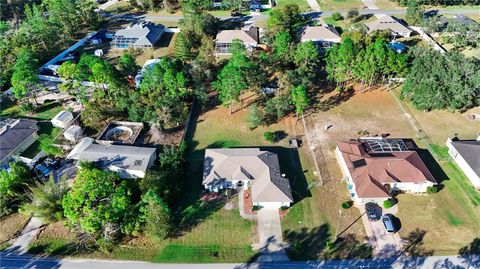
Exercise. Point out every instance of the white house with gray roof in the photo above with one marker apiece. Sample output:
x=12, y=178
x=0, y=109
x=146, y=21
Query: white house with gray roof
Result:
x=247, y=167
x=127, y=161
x=140, y=35
x=466, y=153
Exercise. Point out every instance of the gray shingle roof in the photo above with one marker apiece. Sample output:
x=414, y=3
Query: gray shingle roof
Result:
x=470, y=152
x=146, y=33
x=388, y=23
x=261, y=167
x=13, y=133
x=320, y=33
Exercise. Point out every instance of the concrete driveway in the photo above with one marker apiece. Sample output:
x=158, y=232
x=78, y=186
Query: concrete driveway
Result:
x=385, y=245
x=271, y=243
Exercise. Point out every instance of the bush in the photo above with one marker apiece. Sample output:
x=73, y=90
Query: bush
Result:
x=432, y=189
x=283, y=208
x=255, y=116
x=270, y=137
x=256, y=208
x=347, y=204
x=352, y=13
x=337, y=16
x=388, y=203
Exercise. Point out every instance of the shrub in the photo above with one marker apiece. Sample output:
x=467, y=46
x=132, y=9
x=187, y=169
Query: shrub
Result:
x=352, y=13
x=255, y=116
x=256, y=208
x=283, y=208
x=388, y=203
x=432, y=189
x=347, y=204
x=337, y=16
x=270, y=137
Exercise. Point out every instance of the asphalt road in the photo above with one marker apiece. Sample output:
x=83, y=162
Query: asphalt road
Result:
x=12, y=260
x=262, y=17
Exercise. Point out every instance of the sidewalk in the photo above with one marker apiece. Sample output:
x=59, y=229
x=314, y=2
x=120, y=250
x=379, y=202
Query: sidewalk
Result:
x=314, y=6
x=29, y=233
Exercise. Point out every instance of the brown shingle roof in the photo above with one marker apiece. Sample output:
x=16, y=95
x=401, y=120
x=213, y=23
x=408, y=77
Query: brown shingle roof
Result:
x=371, y=171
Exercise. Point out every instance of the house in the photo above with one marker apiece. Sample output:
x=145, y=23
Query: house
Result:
x=466, y=153
x=16, y=135
x=73, y=133
x=323, y=36
x=127, y=161
x=247, y=167
x=389, y=23
x=62, y=119
x=375, y=167
x=141, y=35
x=225, y=38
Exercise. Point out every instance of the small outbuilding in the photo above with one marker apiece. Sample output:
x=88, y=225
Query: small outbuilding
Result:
x=73, y=133
x=62, y=119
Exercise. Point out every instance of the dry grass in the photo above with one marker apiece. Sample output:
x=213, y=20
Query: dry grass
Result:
x=10, y=225
x=340, y=5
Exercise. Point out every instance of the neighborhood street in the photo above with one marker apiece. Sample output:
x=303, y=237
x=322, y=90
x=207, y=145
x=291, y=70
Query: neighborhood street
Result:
x=11, y=260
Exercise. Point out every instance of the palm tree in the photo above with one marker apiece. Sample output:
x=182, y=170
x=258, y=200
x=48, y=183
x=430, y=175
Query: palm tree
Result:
x=46, y=200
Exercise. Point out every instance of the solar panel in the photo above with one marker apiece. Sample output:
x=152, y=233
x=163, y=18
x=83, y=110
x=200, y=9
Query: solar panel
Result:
x=386, y=145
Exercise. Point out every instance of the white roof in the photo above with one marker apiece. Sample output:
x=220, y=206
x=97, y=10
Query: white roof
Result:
x=227, y=36
x=63, y=116
x=320, y=33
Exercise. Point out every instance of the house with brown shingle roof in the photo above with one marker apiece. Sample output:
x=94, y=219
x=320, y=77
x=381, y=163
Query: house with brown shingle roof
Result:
x=375, y=167
x=245, y=168
x=224, y=39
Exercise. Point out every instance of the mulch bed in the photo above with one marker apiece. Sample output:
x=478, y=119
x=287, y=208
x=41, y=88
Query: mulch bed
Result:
x=248, y=203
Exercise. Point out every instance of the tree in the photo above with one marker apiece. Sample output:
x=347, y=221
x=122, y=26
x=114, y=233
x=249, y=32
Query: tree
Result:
x=101, y=204
x=231, y=80
x=255, y=116
x=282, y=47
x=25, y=77
x=158, y=218
x=352, y=13
x=47, y=145
x=13, y=186
x=414, y=12
x=307, y=59
x=285, y=19
x=46, y=200
x=337, y=16
x=462, y=35
x=127, y=65
x=440, y=81
x=300, y=99
x=276, y=108
x=183, y=48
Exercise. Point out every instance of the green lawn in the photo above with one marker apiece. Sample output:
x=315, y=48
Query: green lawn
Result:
x=302, y=4
x=44, y=112
x=340, y=5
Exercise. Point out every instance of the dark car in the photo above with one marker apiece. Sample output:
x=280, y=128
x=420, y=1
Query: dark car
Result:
x=236, y=14
x=373, y=211
x=388, y=223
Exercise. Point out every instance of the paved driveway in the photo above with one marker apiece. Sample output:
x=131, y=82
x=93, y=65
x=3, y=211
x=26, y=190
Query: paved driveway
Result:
x=385, y=245
x=270, y=236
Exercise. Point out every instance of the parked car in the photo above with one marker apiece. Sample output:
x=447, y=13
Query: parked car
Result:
x=43, y=170
x=374, y=212
x=387, y=220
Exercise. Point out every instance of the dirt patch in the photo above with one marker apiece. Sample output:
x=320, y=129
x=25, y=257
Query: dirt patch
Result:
x=10, y=225
x=56, y=230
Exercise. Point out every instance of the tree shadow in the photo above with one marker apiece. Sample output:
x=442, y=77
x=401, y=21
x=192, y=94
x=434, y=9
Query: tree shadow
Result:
x=13, y=259
x=307, y=244
x=335, y=100
x=432, y=165
x=349, y=247
x=470, y=254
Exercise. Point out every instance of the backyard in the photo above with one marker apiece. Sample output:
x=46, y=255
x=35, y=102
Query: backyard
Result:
x=455, y=209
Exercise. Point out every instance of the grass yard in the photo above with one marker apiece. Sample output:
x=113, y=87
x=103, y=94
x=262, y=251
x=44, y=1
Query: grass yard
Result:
x=451, y=217
x=9, y=226
x=302, y=4
x=387, y=5
x=340, y=5
x=44, y=112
